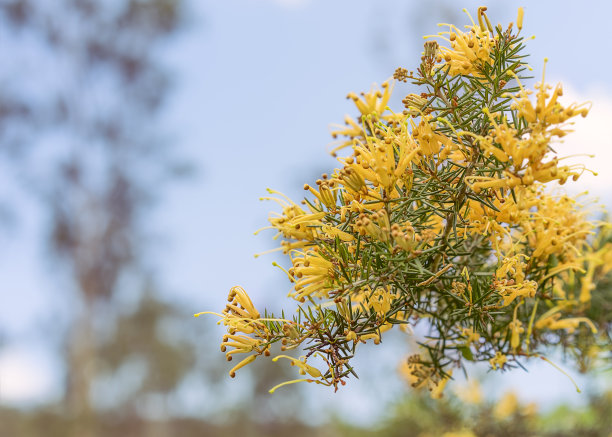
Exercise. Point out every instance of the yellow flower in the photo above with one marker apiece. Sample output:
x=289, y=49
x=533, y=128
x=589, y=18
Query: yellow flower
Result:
x=598, y=260
x=327, y=194
x=524, y=155
x=352, y=131
x=373, y=102
x=516, y=328
x=420, y=375
x=554, y=321
x=242, y=343
x=530, y=409
x=302, y=365
x=404, y=236
x=506, y=406
x=241, y=364
x=332, y=232
x=240, y=315
x=293, y=222
x=375, y=225
x=380, y=301
x=313, y=274
x=513, y=266
x=468, y=51
x=519, y=20
x=384, y=162
x=353, y=179
x=470, y=335
x=470, y=393
x=438, y=390
x=546, y=113
x=237, y=296
x=429, y=140
x=499, y=360
x=376, y=336
x=414, y=104
x=587, y=283
x=510, y=292
x=558, y=227
x=416, y=373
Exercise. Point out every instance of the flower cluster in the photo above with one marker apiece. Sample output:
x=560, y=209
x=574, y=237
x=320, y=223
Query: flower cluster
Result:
x=439, y=215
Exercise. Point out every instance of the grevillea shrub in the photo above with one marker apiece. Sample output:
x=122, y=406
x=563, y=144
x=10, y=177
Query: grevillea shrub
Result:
x=440, y=213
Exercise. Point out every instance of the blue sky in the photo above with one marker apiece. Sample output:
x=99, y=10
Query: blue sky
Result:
x=257, y=84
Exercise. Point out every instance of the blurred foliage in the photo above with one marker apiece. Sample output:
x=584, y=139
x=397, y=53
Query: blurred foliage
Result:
x=414, y=416
x=423, y=417
x=137, y=334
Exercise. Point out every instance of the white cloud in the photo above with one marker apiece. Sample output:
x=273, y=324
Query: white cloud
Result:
x=592, y=135
x=26, y=378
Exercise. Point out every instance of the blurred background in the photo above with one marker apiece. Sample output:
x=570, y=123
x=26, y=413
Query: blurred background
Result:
x=136, y=137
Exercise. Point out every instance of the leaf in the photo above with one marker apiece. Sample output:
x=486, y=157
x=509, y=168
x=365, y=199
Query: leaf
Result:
x=467, y=353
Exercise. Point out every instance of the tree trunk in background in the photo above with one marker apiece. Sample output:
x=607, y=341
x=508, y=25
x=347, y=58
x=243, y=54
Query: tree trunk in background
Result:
x=81, y=356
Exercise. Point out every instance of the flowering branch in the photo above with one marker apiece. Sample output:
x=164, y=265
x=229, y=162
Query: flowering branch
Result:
x=439, y=215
